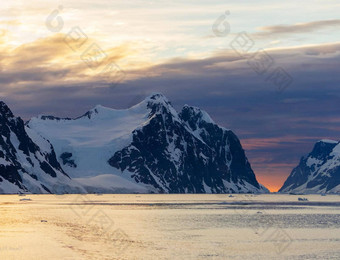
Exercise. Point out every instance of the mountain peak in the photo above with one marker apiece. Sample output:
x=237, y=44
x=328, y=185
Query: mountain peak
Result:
x=327, y=141
x=196, y=114
x=98, y=109
x=158, y=103
x=318, y=172
x=5, y=111
x=322, y=148
x=157, y=98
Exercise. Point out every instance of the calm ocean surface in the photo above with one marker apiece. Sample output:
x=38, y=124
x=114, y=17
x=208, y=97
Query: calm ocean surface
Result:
x=169, y=227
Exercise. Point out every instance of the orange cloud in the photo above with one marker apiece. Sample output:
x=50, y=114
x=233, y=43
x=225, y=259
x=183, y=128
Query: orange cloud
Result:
x=50, y=58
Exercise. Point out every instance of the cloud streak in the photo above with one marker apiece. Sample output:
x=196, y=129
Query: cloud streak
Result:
x=298, y=28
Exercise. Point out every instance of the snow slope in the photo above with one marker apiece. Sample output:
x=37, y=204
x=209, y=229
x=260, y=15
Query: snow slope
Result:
x=27, y=165
x=318, y=172
x=91, y=140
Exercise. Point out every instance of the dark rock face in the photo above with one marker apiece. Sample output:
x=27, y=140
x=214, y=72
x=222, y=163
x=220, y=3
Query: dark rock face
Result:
x=318, y=172
x=185, y=153
x=21, y=160
x=66, y=157
x=8, y=123
x=218, y=139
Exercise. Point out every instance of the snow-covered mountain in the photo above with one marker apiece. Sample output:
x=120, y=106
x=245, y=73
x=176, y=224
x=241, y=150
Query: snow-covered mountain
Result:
x=149, y=148
x=318, y=172
x=28, y=166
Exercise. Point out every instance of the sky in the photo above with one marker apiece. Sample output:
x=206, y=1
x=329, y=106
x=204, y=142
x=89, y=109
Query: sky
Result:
x=268, y=70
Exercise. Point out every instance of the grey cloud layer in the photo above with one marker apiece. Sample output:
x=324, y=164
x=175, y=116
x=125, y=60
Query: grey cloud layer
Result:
x=224, y=85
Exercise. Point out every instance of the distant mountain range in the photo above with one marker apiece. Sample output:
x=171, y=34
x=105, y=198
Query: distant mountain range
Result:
x=148, y=148
x=318, y=172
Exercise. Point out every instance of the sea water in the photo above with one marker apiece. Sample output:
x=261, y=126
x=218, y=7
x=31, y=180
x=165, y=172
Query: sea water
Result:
x=181, y=226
